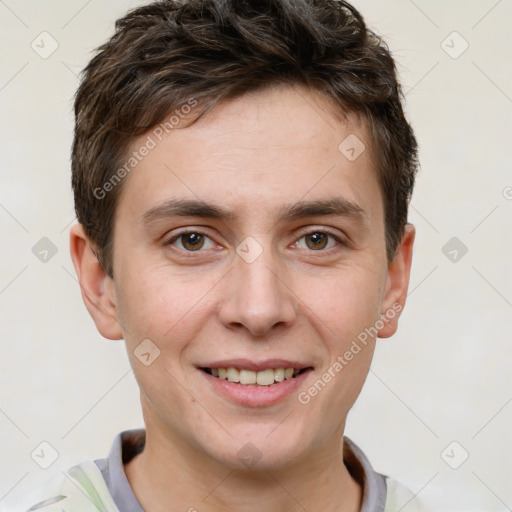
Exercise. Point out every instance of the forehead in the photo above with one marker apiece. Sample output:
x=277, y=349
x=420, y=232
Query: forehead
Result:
x=258, y=152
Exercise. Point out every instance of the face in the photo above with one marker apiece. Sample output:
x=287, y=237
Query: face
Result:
x=249, y=241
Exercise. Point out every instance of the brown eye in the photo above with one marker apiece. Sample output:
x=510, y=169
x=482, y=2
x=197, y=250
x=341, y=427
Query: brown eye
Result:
x=317, y=241
x=192, y=241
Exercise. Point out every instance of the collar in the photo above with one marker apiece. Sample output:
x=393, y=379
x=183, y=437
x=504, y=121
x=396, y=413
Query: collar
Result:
x=129, y=443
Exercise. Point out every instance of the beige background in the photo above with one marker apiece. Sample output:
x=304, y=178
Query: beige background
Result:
x=444, y=378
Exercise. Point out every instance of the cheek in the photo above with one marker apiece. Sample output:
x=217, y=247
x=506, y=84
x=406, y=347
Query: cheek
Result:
x=347, y=302
x=169, y=312
x=345, y=314
x=161, y=307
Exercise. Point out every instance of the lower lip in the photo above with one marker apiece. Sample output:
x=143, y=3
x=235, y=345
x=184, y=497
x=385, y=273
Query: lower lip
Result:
x=254, y=395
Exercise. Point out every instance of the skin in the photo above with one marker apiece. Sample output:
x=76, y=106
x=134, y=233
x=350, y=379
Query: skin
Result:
x=251, y=155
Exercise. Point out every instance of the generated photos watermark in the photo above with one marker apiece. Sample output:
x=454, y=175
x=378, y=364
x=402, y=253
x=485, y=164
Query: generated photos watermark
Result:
x=152, y=140
x=344, y=359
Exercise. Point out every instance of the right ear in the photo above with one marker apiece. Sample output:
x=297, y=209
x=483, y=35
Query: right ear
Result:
x=98, y=290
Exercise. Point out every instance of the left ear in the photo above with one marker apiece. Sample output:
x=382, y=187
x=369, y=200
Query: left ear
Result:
x=399, y=271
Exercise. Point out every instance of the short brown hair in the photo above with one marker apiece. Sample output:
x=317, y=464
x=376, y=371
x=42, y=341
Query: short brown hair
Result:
x=168, y=52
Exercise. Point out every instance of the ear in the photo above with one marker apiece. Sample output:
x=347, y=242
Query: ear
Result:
x=98, y=291
x=397, y=284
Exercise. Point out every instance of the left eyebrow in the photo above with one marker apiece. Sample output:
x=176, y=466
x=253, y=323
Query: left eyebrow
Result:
x=337, y=206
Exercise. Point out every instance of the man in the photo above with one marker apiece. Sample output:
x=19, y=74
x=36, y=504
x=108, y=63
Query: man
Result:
x=242, y=171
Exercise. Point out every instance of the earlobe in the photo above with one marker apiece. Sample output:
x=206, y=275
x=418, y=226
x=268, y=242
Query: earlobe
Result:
x=96, y=286
x=399, y=271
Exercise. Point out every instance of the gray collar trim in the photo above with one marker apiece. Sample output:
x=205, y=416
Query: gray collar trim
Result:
x=128, y=443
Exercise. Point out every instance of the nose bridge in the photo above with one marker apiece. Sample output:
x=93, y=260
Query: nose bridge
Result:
x=259, y=277
x=259, y=299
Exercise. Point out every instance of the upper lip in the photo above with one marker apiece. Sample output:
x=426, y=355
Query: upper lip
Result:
x=256, y=366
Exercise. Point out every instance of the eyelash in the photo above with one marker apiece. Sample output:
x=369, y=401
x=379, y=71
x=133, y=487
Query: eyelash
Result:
x=323, y=231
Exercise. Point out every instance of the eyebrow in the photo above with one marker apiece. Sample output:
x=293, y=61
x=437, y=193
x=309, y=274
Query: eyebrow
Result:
x=336, y=206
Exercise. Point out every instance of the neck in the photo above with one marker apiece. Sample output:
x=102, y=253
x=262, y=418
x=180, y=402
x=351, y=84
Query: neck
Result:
x=170, y=471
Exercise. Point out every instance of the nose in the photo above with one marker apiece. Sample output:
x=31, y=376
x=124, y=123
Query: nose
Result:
x=255, y=297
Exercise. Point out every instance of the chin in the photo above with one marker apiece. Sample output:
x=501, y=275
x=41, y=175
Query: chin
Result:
x=272, y=448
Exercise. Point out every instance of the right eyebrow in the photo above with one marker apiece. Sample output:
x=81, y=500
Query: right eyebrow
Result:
x=186, y=208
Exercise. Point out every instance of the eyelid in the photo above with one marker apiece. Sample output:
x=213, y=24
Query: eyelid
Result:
x=319, y=229
x=172, y=238
x=339, y=236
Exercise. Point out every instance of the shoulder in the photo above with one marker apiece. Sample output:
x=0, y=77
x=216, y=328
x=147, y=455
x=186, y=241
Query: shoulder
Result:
x=81, y=488
x=400, y=497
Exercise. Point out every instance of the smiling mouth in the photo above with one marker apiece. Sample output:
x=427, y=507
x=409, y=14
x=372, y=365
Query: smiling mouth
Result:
x=268, y=377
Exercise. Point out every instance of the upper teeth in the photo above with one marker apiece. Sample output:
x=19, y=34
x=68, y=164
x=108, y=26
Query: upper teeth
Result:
x=262, y=378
